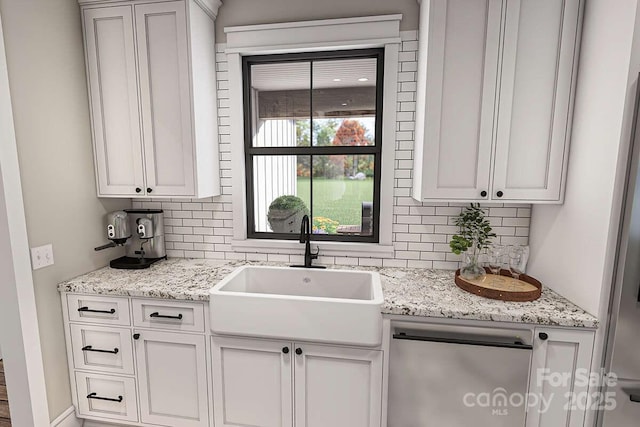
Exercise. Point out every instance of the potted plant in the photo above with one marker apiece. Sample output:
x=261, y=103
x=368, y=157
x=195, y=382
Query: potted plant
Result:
x=285, y=214
x=474, y=236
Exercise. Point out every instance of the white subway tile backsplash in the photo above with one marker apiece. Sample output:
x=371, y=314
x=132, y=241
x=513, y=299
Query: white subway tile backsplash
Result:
x=421, y=231
x=419, y=264
x=408, y=87
x=256, y=257
x=433, y=256
x=409, y=56
x=410, y=45
x=516, y=222
x=524, y=212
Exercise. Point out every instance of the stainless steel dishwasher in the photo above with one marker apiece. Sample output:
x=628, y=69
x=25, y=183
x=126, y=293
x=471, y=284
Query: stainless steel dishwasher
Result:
x=448, y=376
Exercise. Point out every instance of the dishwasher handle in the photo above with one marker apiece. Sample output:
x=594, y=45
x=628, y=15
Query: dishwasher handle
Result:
x=517, y=343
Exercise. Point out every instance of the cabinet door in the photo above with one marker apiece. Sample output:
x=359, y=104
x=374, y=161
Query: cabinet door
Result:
x=337, y=387
x=165, y=94
x=459, y=93
x=536, y=89
x=172, y=379
x=252, y=382
x=113, y=89
x=561, y=363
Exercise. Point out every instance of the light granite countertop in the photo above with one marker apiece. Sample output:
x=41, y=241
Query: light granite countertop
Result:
x=407, y=291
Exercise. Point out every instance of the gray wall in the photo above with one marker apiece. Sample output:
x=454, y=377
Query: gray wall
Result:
x=50, y=105
x=582, y=232
x=249, y=12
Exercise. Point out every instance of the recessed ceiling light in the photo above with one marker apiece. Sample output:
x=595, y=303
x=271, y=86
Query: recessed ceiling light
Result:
x=337, y=80
x=363, y=79
x=344, y=104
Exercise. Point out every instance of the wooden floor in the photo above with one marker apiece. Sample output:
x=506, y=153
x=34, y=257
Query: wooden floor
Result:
x=5, y=419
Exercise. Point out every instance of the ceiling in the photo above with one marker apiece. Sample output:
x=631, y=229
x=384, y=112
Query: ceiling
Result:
x=296, y=75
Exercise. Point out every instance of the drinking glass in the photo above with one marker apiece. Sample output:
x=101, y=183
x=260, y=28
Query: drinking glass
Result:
x=515, y=261
x=495, y=258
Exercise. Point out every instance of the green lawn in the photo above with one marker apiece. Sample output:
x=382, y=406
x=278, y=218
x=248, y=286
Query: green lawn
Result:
x=337, y=199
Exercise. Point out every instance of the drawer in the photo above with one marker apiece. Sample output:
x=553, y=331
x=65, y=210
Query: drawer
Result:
x=102, y=348
x=107, y=397
x=183, y=316
x=99, y=309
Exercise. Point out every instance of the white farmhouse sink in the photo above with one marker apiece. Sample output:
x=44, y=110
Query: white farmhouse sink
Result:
x=333, y=306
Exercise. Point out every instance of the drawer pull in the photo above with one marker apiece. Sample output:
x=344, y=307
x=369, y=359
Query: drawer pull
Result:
x=164, y=316
x=90, y=348
x=88, y=310
x=515, y=343
x=95, y=396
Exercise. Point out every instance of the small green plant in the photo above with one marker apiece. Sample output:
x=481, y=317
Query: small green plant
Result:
x=289, y=203
x=475, y=231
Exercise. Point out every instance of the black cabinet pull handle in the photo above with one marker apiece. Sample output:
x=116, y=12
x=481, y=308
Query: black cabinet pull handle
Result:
x=483, y=193
x=90, y=348
x=516, y=343
x=88, y=310
x=136, y=336
x=149, y=190
x=95, y=396
x=164, y=316
x=138, y=189
x=499, y=194
x=635, y=398
x=298, y=351
x=543, y=336
x=285, y=350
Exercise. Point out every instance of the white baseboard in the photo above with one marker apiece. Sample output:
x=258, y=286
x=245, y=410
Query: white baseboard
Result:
x=90, y=423
x=67, y=419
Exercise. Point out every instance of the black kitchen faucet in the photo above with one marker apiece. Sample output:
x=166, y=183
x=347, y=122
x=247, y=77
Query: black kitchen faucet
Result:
x=305, y=237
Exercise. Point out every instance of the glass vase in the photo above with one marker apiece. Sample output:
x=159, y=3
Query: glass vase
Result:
x=471, y=268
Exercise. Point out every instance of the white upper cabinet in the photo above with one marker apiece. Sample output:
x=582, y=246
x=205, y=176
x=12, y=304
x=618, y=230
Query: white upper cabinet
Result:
x=112, y=80
x=166, y=101
x=151, y=72
x=458, y=94
x=496, y=82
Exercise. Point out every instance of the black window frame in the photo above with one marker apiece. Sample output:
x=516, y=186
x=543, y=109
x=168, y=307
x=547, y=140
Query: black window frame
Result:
x=250, y=151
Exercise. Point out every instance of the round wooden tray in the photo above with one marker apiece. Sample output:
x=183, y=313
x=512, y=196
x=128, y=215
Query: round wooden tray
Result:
x=505, y=289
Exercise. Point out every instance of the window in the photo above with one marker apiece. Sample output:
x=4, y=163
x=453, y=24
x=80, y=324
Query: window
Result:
x=313, y=134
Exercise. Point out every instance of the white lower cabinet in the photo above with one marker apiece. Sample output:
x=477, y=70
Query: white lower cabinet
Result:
x=252, y=382
x=148, y=362
x=172, y=377
x=267, y=383
x=558, y=381
x=152, y=371
x=337, y=386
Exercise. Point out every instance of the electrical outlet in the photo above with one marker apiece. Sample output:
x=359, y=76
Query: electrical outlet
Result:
x=42, y=256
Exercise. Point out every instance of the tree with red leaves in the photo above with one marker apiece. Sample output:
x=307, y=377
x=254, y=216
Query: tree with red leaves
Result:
x=351, y=132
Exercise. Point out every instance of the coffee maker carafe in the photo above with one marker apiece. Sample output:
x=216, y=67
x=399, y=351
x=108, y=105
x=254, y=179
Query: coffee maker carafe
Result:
x=144, y=244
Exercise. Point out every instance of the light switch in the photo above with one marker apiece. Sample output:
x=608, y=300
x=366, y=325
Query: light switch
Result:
x=42, y=256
